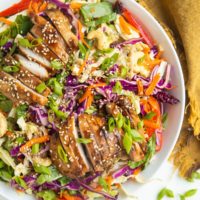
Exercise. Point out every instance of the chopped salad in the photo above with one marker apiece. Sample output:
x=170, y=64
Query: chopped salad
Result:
x=83, y=90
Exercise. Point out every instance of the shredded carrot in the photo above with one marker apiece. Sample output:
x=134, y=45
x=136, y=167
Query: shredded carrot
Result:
x=109, y=181
x=37, y=6
x=33, y=141
x=153, y=63
x=81, y=34
x=140, y=87
x=124, y=25
x=88, y=91
x=137, y=171
x=67, y=196
x=75, y=5
x=151, y=124
x=152, y=85
x=83, y=65
x=5, y=21
x=89, y=100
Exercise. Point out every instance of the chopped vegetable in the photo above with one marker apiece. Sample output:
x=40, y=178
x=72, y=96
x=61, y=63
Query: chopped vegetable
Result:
x=108, y=62
x=165, y=192
x=35, y=148
x=16, y=8
x=41, y=87
x=96, y=10
x=42, y=169
x=56, y=64
x=111, y=124
x=11, y=69
x=62, y=154
x=47, y=195
x=127, y=142
x=20, y=181
x=21, y=111
x=84, y=140
x=33, y=141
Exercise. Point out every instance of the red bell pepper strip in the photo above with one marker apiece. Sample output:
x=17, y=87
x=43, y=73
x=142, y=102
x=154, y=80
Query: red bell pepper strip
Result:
x=15, y=8
x=129, y=17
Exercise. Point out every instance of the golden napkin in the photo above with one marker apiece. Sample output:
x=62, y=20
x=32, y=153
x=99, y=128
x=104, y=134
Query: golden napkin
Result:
x=181, y=20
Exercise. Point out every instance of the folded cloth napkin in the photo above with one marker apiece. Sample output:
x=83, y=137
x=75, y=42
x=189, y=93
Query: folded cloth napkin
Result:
x=181, y=19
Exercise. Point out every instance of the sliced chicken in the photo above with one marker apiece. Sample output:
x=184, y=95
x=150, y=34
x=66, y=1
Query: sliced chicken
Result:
x=68, y=168
x=42, y=49
x=115, y=149
x=50, y=36
x=68, y=135
x=33, y=67
x=92, y=147
x=18, y=92
x=62, y=24
x=26, y=77
x=31, y=55
x=104, y=148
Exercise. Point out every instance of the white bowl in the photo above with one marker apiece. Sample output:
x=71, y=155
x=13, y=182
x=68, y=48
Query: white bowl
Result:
x=175, y=112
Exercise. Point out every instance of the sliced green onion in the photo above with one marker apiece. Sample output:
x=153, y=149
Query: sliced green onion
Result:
x=35, y=148
x=42, y=169
x=47, y=195
x=82, y=49
x=108, y=62
x=41, y=87
x=136, y=136
x=150, y=115
x=117, y=88
x=123, y=72
x=20, y=182
x=127, y=142
x=120, y=120
x=62, y=154
x=84, y=140
x=11, y=69
x=140, y=125
x=165, y=192
x=56, y=64
x=2, y=164
x=5, y=175
x=111, y=124
x=57, y=87
x=102, y=182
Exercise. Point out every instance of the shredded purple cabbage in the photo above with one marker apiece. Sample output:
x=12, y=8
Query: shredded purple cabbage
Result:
x=89, y=188
x=15, y=151
x=126, y=170
x=154, y=51
x=164, y=97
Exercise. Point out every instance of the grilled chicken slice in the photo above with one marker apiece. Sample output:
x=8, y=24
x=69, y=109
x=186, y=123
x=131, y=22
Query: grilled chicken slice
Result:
x=50, y=36
x=31, y=55
x=68, y=135
x=104, y=149
x=68, y=168
x=42, y=49
x=33, y=67
x=18, y=92
x=62, y=24
x=26, y=77
x=115, y=149
x=92, y=147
